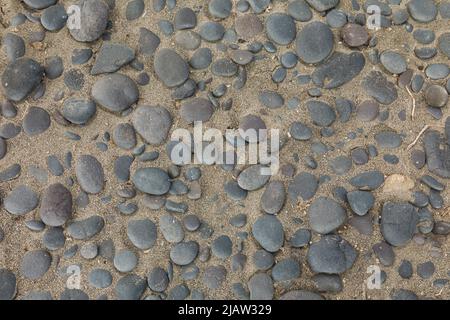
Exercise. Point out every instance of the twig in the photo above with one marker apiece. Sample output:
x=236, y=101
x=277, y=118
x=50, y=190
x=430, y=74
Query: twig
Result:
x=418, y=137
x=413, y=111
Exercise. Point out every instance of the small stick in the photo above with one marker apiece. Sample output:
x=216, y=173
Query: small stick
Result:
x=413, y=111
x=418, y=137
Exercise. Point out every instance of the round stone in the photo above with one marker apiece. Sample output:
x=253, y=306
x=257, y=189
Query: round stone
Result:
x=135, y=9
x=36, y=121
x=100, y=278
x=214, y=276
x=436, y=96
x=124, y=136
x=54, y=238
x=21, y=200
x=196, y=109
x=263, y=260
x=253, y=178
x=21, y=77
x=39, y=4
x=154, y=181
x=444, y=44
x=14, y=46
x=248, y=26
x=368, y=111
x=130, y=287
x=360, y=201
x=331, y=255
x=398, y=222
x=422, y=10
x=256, y=126
x=224, y=67
x=158, y=280
x=300, y=238
x=56, y=205
x=185, y=18
x=309, y=50
x=222, y=247
x=170, y=68
x=426, y=270
x=152, y=123
x=271, y=99
x=280, y=28
x=273, y=198
x=285, y=270
x=201, y=59
x=78, y=111
x=184, y=253
x=171, y=228
x=142, y=233
x=211, y=31
x=54, y=18
x=115, y=92
x=8, y=285
x=220, y=8
x=394, y=62
x=35, y=264
x=321, y=113
x=326, y=215
x=355, y=35
x=268, y=232
x=93, y=21
x=261, y=287
x=125, y=260
x=299, y=10
x=89, y=172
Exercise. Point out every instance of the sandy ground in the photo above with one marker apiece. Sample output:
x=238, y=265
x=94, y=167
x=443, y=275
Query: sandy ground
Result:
x=214, y=208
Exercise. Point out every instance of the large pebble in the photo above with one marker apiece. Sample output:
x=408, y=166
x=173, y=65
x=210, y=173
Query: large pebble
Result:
x=56, y=205
x=311, y=50
x=21, y=77
x=35, y=264
x=111, y=57
x=78, y=111
x=253, y=178
x=21, y=200
x=90, y=175
x=280, y=28
x=398, y=222
x=269, y=233
x=154, y=181
x=184, y=253
x=142, y=233
x=86, y=228
x=272, y=199
x=92, y=22
x=152, y=123
x=170, y=68
x=422, y=10
x=8, y=285
x=326, y=215
x=196, y=109
x=115, y=92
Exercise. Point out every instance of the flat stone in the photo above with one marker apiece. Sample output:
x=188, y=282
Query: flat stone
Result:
x=273, y=198
x=184, y=253
x=94, y=16
x=154, y=181
x=35, y=264
x=8, y=283
x=422, y=10
x=78, y=111
x=170, y=68
x=261, y=287
x=321, y=113
x=307, y=47
x=398, y=222
x=111, y=57
x=196, y=109
x=86, y=228
x=130, y=287
x=304, y=185
x=252, y=178
x=280, y=28
x=361, y=201
x=377, y=86
x=354, y=35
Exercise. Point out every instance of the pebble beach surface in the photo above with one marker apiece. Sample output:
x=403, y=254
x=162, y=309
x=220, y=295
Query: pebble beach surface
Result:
x=94, y=205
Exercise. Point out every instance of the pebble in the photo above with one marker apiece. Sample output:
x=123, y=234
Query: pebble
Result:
x=39, y=4
x=124, y=136
x=111, y=57
x=148, y=42
x=384, y=253
x=171, y=228
x=211, y=31
x=437, y=71
x=201, y=59
x=323, y=5
x=426, y=270
x=142, y=233
x=134, y=9
x=280, y=28
x=321, y=113
x=248, y=26
x=90, y=175
x=270, y=99
x=89, y=251
x=308, y=50
x=196, y=109
x=273, y=198
x=81, y=56
x=252, y=178
x=398, y=222
x=21, y=200
x=330, y=283
x=299, y=10
x=436, y=96
x=153, y=181
x=185, y=18
x=224, y=68
x=222, y=247
x=405, y=270
x=100, y=278
x=35, y=264
x=158, y=280
x=184, y=253
x=331, y=255
x=214, y=276
x=394, y=62
x=56, y=205
x=360, y=201
x=368, y=111
x=86, y=228
x=304, y=185
x=94, y=16
x=388, y=139
x=78, y=111
x=220, y=9
x=285, y=270
x=54, y=18
x=36, y=121
x=14, y=46
x=326, y=215
x=268, y=232
x=261, y=287
x=355, y=35
x=369, y=180
x=8, y=283
x=125, y=260
x=422, y=10
x=21, y=77
x=130, y=287
x=170, y=68
x=115, y=92
x=377, y=86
